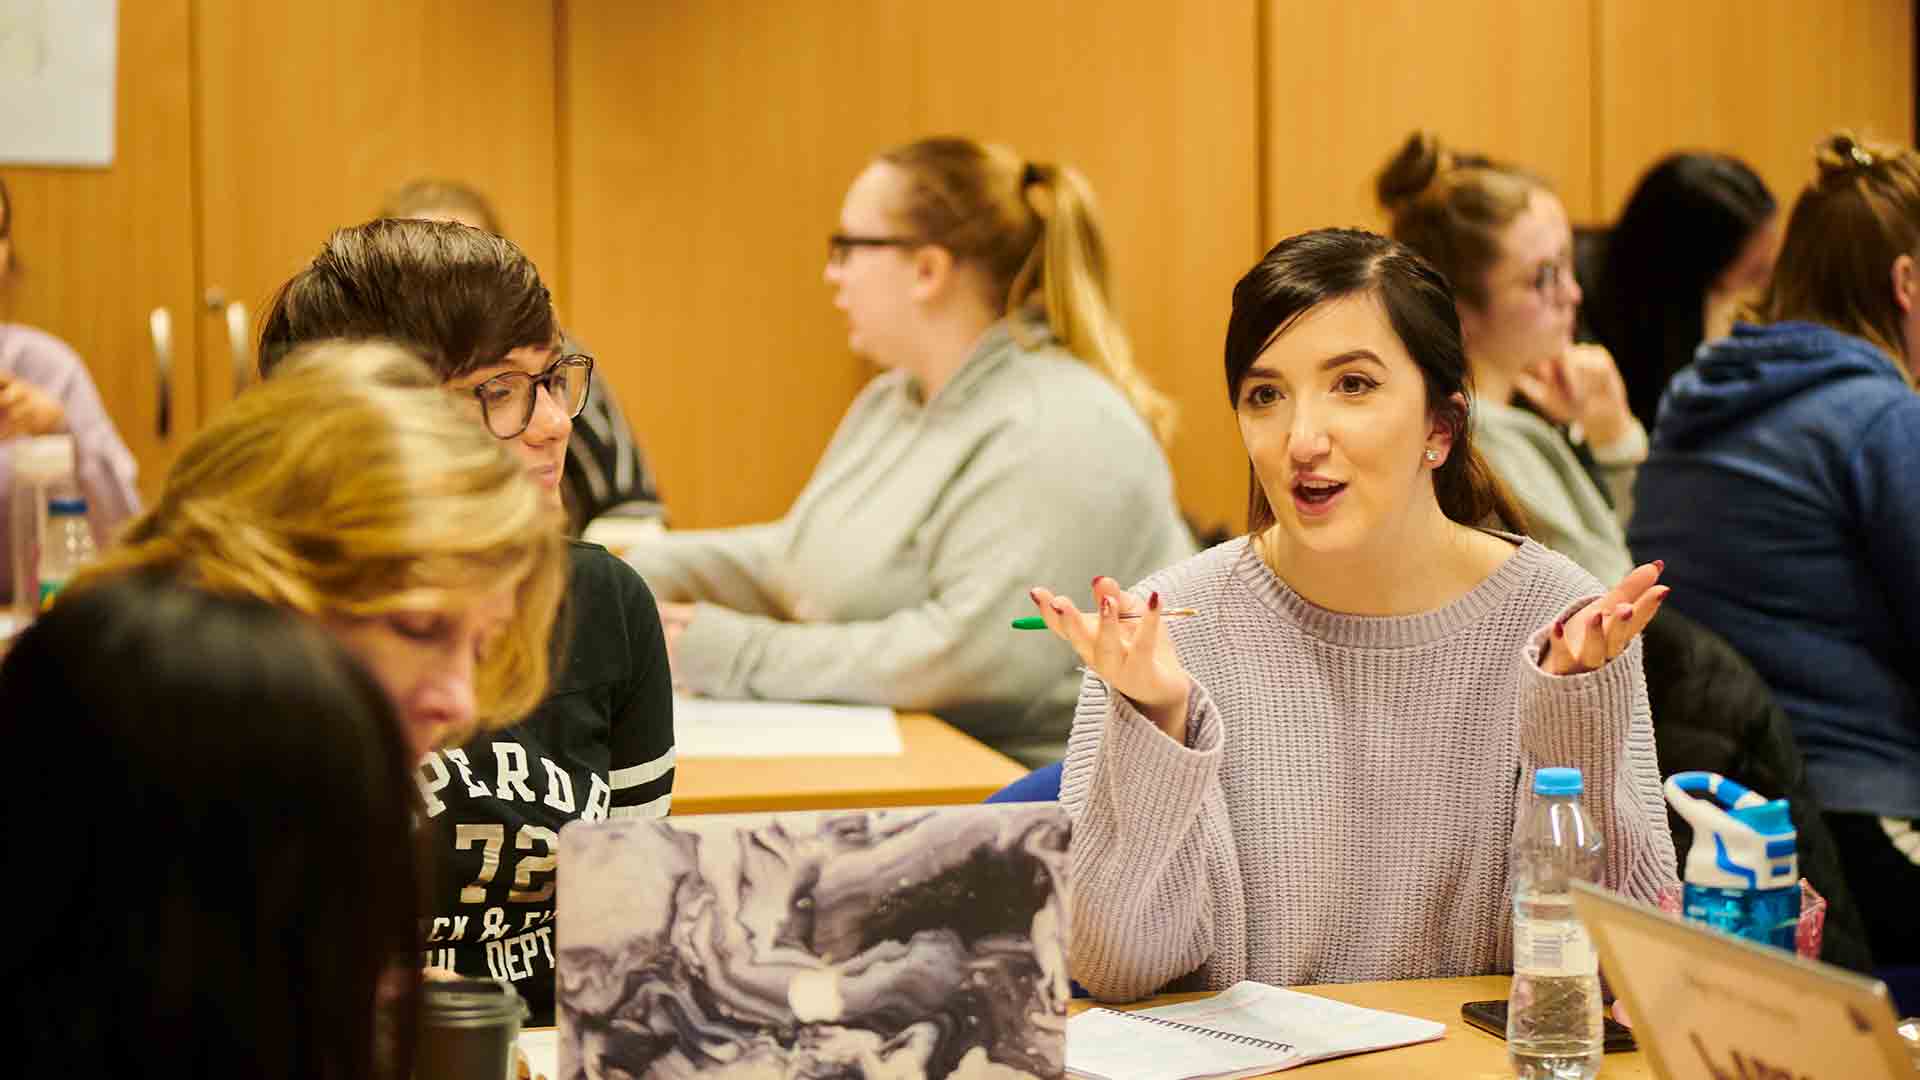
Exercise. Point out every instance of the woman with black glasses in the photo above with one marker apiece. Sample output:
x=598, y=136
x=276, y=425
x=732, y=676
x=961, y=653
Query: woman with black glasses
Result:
x=1009, y=437
x=601, y=744
x=1543, y=407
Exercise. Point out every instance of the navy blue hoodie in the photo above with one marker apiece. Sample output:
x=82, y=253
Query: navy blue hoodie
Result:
x=1783, y=491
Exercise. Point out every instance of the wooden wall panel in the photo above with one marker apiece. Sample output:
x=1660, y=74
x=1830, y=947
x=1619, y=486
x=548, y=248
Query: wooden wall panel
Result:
x=309, y=114
x=709, y=145
x=1347, y=80
x=1761, y=79
x=102, y=248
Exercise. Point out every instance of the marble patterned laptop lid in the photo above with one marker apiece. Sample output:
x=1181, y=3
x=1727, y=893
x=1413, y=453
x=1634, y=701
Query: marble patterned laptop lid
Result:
x=852, y=943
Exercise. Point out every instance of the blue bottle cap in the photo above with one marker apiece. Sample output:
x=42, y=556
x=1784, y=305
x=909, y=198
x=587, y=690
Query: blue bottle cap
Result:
x=1767, y=819
x=66, y=506
x=1557, y=781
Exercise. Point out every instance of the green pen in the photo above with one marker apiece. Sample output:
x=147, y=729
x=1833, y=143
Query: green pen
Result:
x=1035, y=622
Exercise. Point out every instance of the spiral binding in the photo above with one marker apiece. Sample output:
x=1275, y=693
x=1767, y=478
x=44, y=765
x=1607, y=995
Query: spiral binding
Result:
x=1243, y=1040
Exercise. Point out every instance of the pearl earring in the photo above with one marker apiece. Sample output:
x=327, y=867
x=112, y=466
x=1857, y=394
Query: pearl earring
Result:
x=1432, y=454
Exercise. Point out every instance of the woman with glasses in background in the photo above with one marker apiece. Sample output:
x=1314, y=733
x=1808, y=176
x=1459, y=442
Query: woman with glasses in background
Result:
x=1009, y=437
x=601, y=743
x=1502, y=239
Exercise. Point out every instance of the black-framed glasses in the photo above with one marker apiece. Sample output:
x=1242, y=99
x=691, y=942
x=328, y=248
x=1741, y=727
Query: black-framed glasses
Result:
x=507, y=400
x=1553, y=278
x=840, y=244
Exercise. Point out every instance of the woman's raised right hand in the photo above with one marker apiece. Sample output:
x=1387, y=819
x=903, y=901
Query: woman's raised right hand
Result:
x=1125, y=643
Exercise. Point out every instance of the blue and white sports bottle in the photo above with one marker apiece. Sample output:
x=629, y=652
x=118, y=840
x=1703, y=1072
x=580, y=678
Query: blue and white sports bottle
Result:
x=1743, y=871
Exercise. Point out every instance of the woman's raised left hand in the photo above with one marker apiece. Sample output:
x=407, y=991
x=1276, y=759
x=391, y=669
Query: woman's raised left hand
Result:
x=1600, y=631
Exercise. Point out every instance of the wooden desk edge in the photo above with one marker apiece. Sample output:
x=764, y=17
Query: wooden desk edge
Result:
x=890, y=780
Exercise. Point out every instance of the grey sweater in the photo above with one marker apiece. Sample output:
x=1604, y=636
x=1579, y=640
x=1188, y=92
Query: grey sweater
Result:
x=1343, y=807
x=1565, y=511
x=893, y=578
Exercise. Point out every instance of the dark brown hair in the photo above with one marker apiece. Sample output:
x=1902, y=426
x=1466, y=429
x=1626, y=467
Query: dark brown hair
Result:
x=460, y=297
x=1451, y=206
x=1032, y=229
x=238, y=890
x=1688, y=220
x=1305, y=271
x=1859, y=214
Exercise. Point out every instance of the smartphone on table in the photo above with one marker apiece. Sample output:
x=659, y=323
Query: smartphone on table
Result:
x=1491, y=1017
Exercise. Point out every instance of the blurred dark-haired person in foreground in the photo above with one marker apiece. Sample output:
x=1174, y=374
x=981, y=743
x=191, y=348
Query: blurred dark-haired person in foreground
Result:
x=229, y=887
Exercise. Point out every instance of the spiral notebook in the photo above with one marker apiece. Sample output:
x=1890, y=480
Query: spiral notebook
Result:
x=1248, y=1029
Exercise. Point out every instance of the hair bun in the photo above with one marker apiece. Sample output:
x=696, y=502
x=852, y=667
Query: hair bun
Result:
x=1842, y=153
x=1411, y=170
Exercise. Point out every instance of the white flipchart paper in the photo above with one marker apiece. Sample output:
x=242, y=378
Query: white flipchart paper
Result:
x=56, y=81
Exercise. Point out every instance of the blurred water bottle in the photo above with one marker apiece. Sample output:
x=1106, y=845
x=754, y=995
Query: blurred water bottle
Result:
x=1743, y=873
x=68, y=547
x=1553, y=1012
x=42, y=468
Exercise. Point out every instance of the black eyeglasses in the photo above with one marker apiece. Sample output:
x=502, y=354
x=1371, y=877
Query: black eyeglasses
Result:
x=1553, y=278
x=507, y=400
x=839, y=244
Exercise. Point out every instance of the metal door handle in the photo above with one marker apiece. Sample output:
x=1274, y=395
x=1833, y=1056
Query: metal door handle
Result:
x=160, y=326
x=237, y=344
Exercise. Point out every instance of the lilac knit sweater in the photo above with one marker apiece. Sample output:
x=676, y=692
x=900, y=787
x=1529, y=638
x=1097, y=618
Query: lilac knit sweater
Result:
x=1343, y=808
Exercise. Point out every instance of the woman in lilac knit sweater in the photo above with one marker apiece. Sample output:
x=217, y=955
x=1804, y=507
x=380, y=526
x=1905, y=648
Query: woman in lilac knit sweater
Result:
x=1316, y=778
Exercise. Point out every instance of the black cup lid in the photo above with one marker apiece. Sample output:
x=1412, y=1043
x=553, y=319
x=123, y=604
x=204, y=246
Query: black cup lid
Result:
x=470, y=999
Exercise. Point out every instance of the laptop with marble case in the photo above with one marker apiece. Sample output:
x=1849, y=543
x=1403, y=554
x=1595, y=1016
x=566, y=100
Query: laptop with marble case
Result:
x=896, y=942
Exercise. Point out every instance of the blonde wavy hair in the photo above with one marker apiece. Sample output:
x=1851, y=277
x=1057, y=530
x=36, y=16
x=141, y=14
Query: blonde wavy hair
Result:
x=1032, y=228
x=350, y=484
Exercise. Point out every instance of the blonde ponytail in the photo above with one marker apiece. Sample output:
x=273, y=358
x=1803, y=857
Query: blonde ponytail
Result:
x=1071, y=269
x=1032, y=228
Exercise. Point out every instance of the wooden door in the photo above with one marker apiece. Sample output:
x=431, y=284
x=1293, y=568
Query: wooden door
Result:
x=1763, y=82
x=310, y=114
x=101, y=250
x=710, y=144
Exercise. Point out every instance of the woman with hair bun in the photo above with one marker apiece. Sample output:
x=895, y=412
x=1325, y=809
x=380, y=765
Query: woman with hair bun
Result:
x=1010, y=433
x=1781, y=493
x=1501, y=237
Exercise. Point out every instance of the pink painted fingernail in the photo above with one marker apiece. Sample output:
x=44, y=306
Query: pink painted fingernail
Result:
x=1033, y=595
x=1659, y=564
x=1153, y=602
x=1096, y=580
x=1560, y=628
x=1106, y=606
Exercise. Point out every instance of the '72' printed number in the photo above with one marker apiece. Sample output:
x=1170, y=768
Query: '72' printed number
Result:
x=492, y=838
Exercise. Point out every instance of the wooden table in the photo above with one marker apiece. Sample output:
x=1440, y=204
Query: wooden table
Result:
x=1464, y=1053
x=940, y=765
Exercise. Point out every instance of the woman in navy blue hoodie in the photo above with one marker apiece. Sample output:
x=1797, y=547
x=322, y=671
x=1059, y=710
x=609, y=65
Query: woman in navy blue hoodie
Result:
x=1783, y=491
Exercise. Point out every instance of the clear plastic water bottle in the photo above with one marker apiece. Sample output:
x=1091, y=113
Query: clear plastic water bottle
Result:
x=1553, y=1012
x=42, y=468
x=69, y=546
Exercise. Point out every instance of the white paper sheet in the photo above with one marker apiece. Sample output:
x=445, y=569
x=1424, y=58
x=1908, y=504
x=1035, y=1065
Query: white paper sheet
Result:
x=706, y=728
x=56, y=81
x=542, y=1047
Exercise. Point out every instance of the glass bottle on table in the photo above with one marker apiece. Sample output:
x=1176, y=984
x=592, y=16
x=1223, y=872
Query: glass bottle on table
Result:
x=1554, y=1010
